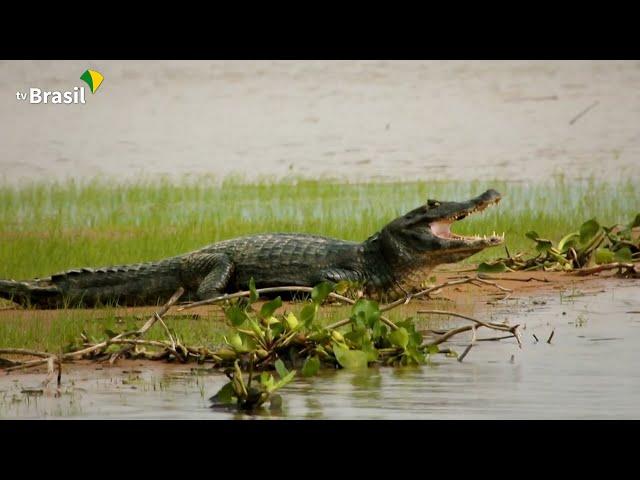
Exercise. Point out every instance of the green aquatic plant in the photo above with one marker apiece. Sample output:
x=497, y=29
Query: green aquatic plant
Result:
x=592, y=245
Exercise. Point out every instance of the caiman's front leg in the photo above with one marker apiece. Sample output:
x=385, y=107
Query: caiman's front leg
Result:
x=207, y=273
x=336, y=275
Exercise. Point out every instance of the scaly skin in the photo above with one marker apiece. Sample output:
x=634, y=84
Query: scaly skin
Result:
x=388, y=264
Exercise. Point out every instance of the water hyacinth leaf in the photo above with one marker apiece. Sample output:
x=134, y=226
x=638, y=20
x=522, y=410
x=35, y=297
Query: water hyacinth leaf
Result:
x=368, y=309
x=257, y=330
x=350, y=359
x=623, y=255
x=281, y=369
x=308, y=314
x=337, y=336
x=276, y=329
x=341, y=287
x=292, y=321
x=568, y=241
x=543, y=245
x=355, y=336
x=533, y=235
x=588, y=230
x=110, y=333
x=248, y=342
x=399, y=338
x=236, y=315
x=268, y=308
x=413, y=356
x=603, y=255
x=636, y=222
x=371, y=351
x=433, y=349
x=253, y=295
x=378, y=330
x=321, y=291
x=498, y=267
x=224, y=396
x=236, y=342
x=272, y=321
x=283, y=381
x=311, y=366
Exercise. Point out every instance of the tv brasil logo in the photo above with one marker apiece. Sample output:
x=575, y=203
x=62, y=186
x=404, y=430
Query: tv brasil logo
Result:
x=36, y=95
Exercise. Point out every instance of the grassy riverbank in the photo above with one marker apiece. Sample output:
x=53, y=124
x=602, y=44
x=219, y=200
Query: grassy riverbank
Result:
x=46, y=228
x=53, y=227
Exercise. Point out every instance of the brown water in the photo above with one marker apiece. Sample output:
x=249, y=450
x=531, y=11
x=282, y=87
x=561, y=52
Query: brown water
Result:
x=465, y=120
x=590, y=370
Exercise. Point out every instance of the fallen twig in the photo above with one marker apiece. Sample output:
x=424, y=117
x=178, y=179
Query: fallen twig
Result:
x=530, y=279
x=513, y=330
x=469, y=347
x=551, y=336
x=494, y=326
x=156, y=316
x=494, y=339
x=98, y=346
x=246, y=293
x=630, y=267
x=583, y=112
x=427, y=291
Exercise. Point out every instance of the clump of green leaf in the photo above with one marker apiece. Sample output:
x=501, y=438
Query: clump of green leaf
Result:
x=253, y=393
x=593, y=244
x=263, y=340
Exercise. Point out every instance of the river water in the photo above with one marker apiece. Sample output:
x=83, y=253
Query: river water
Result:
x=588, y=371
x=369, y=120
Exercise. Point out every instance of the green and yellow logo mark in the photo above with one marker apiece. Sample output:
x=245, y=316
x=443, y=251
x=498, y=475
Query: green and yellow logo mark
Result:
x=93, y=79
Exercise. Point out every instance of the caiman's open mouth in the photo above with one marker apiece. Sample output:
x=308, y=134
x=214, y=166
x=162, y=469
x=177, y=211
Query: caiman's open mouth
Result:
x=442, y=228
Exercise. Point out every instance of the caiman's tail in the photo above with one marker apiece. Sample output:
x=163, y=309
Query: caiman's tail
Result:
x=30, y=293
x=138, y=284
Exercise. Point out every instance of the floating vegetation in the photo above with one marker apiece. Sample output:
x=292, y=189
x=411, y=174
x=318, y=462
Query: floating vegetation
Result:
x=261, y=341
x=593, y=248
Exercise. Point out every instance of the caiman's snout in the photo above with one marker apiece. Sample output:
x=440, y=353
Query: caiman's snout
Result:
x=446, y=213
x=489, y=197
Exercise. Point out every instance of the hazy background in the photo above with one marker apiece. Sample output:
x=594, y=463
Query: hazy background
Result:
x=342, y=119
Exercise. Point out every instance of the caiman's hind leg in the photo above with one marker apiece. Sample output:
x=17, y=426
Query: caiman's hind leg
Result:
x=207, y=273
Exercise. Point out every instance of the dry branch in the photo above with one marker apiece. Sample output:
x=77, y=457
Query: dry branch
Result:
x=246, y=293
x=427, y=291
x=469, y=347
x=513, y=330
x=98, y=346
x=630, y=268
x=156, y=316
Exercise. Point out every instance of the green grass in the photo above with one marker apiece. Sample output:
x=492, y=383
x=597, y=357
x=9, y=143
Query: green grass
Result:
x=45, y=228
x=53, y=331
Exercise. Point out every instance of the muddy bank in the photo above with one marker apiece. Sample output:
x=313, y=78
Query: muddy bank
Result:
x=523, y=285
x=369, y=120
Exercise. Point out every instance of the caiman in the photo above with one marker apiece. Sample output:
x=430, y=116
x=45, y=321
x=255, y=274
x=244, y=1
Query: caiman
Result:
x=389, y=264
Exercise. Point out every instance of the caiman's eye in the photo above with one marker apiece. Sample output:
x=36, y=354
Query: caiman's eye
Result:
x=433, y=203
